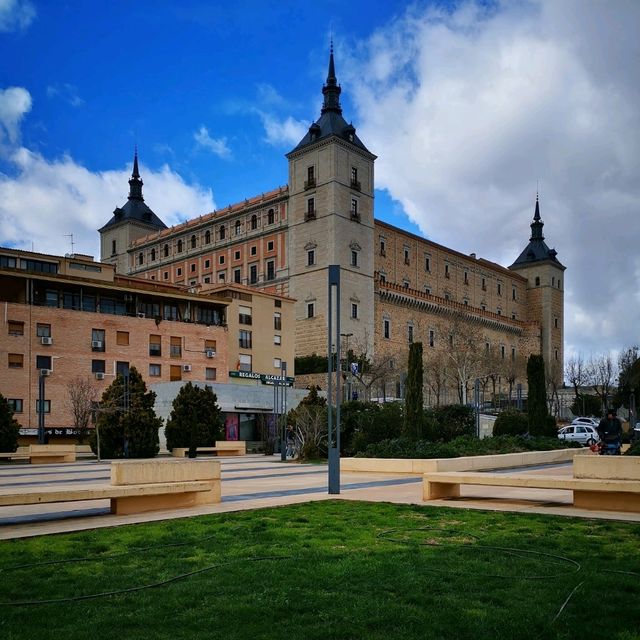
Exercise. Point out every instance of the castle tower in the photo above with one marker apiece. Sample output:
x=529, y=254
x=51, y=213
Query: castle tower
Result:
x=134, y=220
x=545, y=294
x=331, y=186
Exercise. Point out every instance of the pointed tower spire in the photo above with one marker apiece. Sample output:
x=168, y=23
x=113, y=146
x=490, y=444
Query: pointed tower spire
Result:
x=135, y=183
x=331, y=90
x=537, y=224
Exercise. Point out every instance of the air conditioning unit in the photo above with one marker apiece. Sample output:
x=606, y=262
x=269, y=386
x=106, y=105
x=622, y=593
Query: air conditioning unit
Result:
x=99, y=375
x=45, y=372
x=210, y=353
x=186, y=367
x=141, y=314
x=96, y=344
x=46, y=340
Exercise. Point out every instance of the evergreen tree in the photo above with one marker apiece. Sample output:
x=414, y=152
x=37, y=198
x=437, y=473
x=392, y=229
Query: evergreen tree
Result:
x=195, y=420
x=9, y=427
x=537, y=399
x=413, y=413
x=127, y=419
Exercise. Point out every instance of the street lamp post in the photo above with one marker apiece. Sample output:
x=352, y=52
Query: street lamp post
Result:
x=347, y=374
x=41, y=393
x=333, y=442
x=283, y=398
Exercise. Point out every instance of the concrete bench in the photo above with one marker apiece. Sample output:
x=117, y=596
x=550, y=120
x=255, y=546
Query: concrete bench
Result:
x=222, y=448
x=44, y=453
x=136, y=486
x=601, y=493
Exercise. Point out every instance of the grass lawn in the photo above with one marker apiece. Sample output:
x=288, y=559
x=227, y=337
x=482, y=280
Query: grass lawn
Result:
x=329, y=570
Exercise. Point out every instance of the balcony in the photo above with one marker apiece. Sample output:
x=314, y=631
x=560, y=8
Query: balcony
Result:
x=310, y=184
x=355, y=185
x=310, y=215
x=355, y=216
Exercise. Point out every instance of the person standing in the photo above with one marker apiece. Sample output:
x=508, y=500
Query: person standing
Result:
x=610, y=429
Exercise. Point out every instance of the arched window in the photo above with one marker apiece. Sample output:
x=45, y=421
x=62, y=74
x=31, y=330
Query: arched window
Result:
x=237, y=227
x=254, y=221
x=153, y=254
x=179, y=246
x=207, y=236
x=140, y=258
x=166, y=251
x=222, y=233
x=271, y=217
x=193, y=241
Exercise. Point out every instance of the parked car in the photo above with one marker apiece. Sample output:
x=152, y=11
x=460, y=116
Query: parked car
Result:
x=584, y=434
x=589, y=422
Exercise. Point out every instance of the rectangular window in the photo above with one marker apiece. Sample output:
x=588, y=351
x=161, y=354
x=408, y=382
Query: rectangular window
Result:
x=16, y=328
x=15, y=404
x=354, y=311
x=237, y=276
x=383, y=248
x=175, y=372
x=277, y=321
x=178, y=271
x=98, y=366
x=466, y=277
x=43, y=330
x=447, y=273
x=207, y=264
x=354, y=258
x=46, y=406
x=277, y=339
x=98, y=340
x=354, y=207
x=254, y=250
x=222, y=276
x=386, y=328
x=210, y=373
x=175, y=347
x=244, y=362
x=236, y=255
x=311, y=257
x=311, y=208
x=122, y=338
x=502, y=351
x=193, y=267
x=270, y=245
x=43, y=362
x=513, y=353
x=406, y=256
x=484, y=284
x=165, y=275
x=16, y=360
x=513, y=293
x=253, y=274
x=410, y=334
x=427, y=263
x=244, y=341
x=277, y=363
x=170, y=312
x=432, y=338
x=221, y=259
x=155, y=345
x=271, y=270
x=244, y=315
x=155, y=370
x=311, y=310
x=555, y=323
x=499, y=288
x=311, y=178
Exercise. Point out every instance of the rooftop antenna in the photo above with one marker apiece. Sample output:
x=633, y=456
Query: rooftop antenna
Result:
x=70, y=235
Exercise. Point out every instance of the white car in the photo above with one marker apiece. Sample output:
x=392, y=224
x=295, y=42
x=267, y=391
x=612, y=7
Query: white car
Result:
x=589, y=422
x=584, y=434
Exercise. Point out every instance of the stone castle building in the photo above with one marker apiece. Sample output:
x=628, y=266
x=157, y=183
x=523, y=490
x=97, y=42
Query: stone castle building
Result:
x=396, y=287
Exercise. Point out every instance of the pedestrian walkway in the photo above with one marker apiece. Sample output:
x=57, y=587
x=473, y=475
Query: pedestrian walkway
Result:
x=258, y=481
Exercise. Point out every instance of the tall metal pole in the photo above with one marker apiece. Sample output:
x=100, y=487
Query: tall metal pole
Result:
x=41, y=389
x=283, y=411
x=333, y=444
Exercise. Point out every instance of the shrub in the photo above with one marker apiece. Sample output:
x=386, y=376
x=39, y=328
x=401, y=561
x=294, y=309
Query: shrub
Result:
x=9, y=427
x=376, y=422
x=451, y=421
x=126, y=413
x=634, y=449
x=511, y=423
x=195, y=420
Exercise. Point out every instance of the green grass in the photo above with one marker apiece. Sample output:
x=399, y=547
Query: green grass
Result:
x=331, y=570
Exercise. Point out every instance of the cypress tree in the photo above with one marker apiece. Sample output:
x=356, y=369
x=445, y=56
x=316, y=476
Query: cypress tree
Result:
x=537, y=398
x=9, y=427
x=413, y=393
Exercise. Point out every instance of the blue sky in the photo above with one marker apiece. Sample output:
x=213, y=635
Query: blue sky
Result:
x=470, y=106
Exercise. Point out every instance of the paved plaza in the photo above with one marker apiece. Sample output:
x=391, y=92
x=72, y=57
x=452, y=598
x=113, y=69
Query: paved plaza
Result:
x=258, y=481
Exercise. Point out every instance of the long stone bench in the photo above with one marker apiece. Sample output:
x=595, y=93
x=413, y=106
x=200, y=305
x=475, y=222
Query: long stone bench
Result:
x=44, y=453
x=221, y=448
x=136, y=486
x=600, y=483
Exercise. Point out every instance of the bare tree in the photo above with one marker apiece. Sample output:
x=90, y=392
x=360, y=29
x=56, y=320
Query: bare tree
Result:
x=310, y=430
x=602, y=375
x=552, y=375
x=435, y=373
x=82, y=396
x=575, y=372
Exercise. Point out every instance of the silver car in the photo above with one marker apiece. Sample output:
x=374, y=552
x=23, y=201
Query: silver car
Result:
x=589, y=422
x=584, y=434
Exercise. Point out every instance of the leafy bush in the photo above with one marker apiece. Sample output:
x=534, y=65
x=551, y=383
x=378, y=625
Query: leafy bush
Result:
x=462, y=446
x=195, y=420
x=634, y=449
x=446, y=423
x=9, y=427
x=586, y=405
x=310, y=364
x=126, y=415
x=511, y=423
x=372, y=423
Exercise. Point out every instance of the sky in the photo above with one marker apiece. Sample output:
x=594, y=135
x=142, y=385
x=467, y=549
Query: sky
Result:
x=471, y=107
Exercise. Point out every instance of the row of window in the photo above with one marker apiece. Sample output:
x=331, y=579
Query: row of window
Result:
x=310, y=182
x=310, y=213
x=253, y=276
x=192, y=243
x=311, y=258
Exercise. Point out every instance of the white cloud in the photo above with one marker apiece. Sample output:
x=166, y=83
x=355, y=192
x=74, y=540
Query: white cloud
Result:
x=467, y=110
x=280, y=132
x=218, y=146
x=67, y=92
x=16, y=15
x=49, y=198
x=15, y=102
